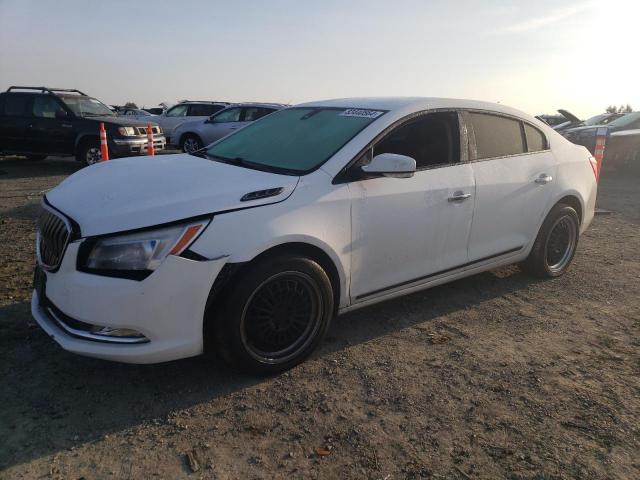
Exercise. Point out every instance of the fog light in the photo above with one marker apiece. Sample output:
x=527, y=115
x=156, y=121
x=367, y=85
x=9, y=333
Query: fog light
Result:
x=116, y=332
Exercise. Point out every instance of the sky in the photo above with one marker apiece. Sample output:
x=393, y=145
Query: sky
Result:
x=536, y=56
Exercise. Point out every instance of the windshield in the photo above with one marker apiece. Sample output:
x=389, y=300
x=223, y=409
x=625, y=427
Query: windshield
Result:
x=625, y=120
x=86, y=106
x=294, y=140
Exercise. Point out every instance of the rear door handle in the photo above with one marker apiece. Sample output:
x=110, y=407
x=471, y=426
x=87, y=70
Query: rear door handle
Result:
x=543, y=179
x=459, y=196
x=67, y=125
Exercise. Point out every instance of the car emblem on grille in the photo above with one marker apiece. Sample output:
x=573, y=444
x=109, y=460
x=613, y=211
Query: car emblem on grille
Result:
x=53, y=232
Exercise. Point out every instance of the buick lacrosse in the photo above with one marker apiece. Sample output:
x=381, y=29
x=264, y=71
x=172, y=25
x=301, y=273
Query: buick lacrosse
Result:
x=250, y=246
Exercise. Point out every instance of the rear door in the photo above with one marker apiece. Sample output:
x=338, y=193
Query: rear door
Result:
x=15, y=123
x=514, y=171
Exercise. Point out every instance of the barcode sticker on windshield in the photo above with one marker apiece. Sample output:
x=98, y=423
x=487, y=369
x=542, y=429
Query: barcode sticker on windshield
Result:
x=356, y=112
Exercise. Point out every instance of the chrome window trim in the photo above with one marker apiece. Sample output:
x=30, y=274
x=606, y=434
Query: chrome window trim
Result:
x=472, y=136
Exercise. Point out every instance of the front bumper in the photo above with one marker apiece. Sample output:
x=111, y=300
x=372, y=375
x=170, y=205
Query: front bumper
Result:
x=167, y=308
x=138, y=145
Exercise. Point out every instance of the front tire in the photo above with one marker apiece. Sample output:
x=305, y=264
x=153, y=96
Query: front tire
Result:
x=190, y=143
x=274, y=315
x=89, y=153
x=555, y=244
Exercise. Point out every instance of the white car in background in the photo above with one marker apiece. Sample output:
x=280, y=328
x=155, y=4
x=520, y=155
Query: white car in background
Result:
x=186, y=111
x=138, y=114
x=192, y=136
x=251, y=247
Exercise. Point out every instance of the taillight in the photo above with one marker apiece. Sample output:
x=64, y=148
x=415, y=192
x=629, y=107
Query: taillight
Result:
x=595, y=166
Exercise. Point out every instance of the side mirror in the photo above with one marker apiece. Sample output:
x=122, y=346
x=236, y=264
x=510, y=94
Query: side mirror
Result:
x=391, y=165
x=60, y=114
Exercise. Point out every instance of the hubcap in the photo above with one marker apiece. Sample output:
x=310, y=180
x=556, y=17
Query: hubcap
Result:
x=281, y=317
x=93, y=155
x=561, y=243
x=191, y=145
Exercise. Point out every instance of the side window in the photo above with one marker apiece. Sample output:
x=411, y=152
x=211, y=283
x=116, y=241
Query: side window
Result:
x=16, y=105
x=200, y=110
x=178, y=111
x=45, y=106
x=536, y=140
x=496, y=136
x=254, y=113
x=432, y=139
x=229, y=115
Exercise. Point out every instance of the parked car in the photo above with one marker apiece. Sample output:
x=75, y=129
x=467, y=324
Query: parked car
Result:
x=155, y=110
x=137, y=113
x=192, y=136
x=256, y=242
x=572, y=121
x=622, y=142
x=186, y=111
x=552, y=120
x=40, y=121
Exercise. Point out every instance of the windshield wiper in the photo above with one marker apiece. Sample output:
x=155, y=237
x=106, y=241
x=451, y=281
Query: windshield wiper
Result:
x=241, y=162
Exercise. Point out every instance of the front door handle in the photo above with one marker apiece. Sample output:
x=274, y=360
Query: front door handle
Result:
x=543, y=179
x=459, y=196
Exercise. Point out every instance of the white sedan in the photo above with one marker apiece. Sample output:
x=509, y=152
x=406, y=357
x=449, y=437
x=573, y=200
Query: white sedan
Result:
x=254, y=245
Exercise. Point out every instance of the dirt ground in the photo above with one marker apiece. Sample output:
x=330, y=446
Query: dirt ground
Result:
x=495, y=376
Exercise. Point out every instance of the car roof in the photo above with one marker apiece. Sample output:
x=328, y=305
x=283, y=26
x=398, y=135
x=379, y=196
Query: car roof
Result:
x=205, y=102
x=259, y=104
x=407, y=105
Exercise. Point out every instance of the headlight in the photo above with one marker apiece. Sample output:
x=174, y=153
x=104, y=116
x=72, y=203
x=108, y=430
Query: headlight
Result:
x=127, y=131
x=139, y=252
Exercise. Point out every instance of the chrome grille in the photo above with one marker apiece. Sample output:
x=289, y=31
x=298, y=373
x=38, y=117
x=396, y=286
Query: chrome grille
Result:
x=53, y=235
x=143, y=130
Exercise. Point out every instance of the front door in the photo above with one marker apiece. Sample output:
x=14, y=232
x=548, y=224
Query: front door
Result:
x=222, y=124
x=406, y=231
x=53, y=127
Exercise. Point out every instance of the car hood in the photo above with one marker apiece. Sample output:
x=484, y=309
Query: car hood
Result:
x=123, y=121
x=130, y=193
x=569, y=116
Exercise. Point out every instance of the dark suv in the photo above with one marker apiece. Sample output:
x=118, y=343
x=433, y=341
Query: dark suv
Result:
x=39, y=121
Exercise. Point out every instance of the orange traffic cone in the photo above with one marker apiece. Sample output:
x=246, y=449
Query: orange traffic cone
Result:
x=150, y=149
x=104, y=148
x=598, y=153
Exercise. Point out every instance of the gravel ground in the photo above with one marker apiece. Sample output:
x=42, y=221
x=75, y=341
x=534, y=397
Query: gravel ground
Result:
x=495, y=376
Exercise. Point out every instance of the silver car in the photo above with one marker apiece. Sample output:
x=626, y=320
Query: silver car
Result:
x=192, y=136
x=186, y=111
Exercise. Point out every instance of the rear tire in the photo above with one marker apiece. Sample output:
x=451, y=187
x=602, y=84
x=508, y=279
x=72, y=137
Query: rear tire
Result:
x=190, y=143
x=89, y=152
x=555, y=244
x=274, y=315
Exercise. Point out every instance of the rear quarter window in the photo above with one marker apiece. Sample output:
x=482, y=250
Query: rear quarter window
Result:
x=496, y=136
x=536, y=140
x=16, y=105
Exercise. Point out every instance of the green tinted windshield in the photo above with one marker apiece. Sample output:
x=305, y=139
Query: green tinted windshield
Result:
x=295, y=140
